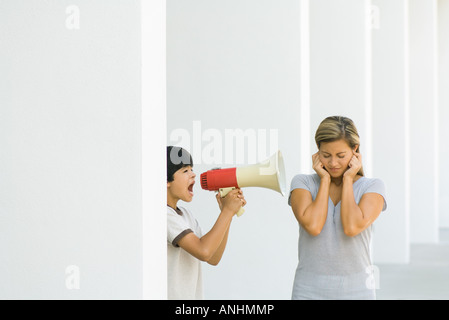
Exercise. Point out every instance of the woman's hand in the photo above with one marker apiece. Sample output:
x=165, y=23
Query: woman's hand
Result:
x=319, y=167
x=354, y=165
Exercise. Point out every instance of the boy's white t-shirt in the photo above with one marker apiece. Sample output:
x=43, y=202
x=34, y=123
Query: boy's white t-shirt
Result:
x=183, y=270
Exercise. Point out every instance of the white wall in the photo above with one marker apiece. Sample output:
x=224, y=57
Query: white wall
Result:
x=339, y=66
x=70, y=178
x=234, y=64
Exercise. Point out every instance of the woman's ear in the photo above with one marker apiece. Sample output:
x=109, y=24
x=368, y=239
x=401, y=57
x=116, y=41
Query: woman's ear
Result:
x=356, y=148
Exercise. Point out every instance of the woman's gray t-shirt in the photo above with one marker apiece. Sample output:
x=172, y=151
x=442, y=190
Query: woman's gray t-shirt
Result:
x=333, y=265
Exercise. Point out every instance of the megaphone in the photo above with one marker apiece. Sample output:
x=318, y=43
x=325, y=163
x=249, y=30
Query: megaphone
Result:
x=268, y=174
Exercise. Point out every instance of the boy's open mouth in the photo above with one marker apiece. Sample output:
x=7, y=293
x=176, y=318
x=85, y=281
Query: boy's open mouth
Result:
x=190, y=188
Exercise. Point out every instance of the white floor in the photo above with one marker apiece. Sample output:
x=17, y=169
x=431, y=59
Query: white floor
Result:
x=425, y=277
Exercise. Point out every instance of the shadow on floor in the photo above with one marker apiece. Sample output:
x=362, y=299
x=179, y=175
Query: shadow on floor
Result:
x=425, y=277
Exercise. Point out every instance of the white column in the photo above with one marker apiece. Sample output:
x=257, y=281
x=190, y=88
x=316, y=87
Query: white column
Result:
x=423, y=121
x=154, y=220
x=340, y=67
x=443, y=61
x=390, y=127
x=70, y=141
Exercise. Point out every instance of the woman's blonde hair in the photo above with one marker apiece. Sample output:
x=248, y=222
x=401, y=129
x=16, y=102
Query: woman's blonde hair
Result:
x=336, y=128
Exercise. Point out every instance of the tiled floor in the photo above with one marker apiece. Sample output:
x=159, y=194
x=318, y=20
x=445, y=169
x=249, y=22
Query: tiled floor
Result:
x=425, y=277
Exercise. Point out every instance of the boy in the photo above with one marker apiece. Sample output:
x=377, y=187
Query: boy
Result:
x=186, y=245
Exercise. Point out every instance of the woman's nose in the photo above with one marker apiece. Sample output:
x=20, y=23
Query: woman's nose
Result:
x=333, y=162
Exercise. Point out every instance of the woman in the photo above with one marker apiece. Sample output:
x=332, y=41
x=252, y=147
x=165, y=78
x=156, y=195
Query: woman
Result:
x=335, y=208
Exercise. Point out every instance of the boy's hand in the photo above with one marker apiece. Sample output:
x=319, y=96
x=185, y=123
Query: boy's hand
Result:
x=233, y=201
